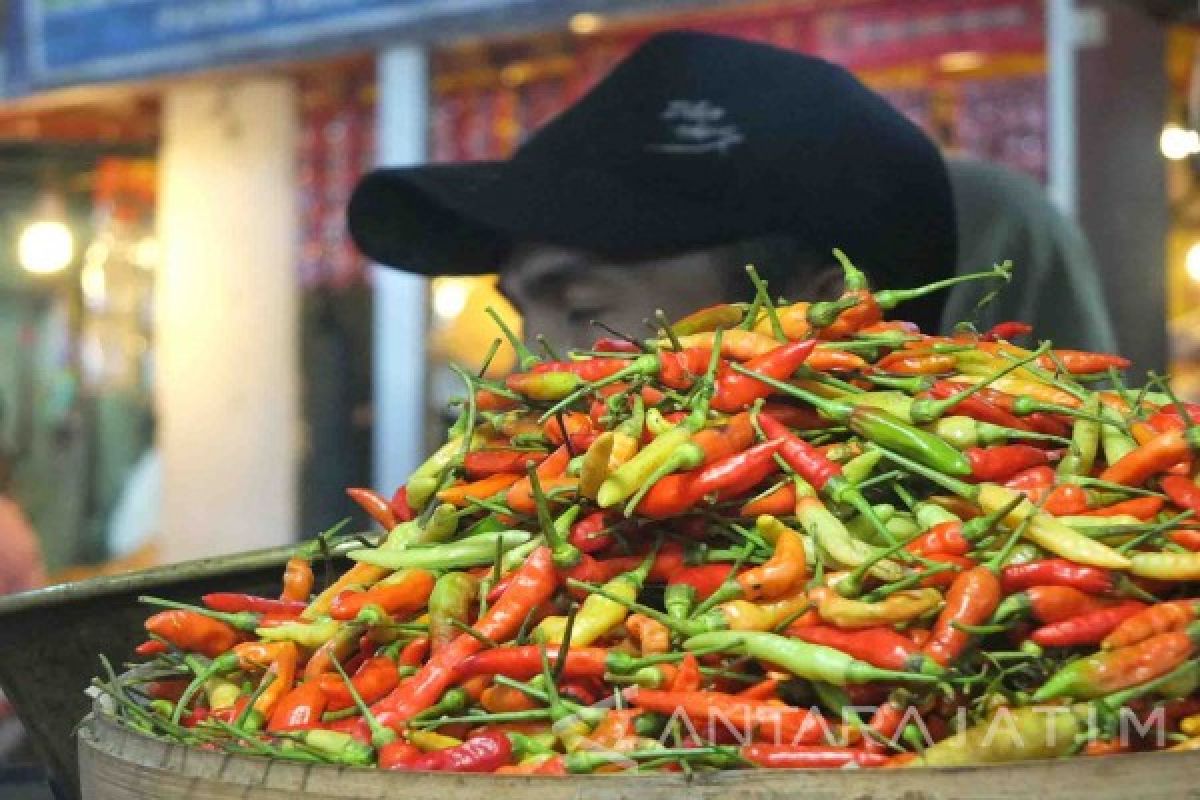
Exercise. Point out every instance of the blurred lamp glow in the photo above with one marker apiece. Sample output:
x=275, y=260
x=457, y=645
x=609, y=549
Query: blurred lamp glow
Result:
x=1191, y=262
x=45, y=247
x=585, y=23
x=449, y=298
x=1178, y=143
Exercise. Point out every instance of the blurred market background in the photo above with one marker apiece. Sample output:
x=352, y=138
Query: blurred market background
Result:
x=194, y=359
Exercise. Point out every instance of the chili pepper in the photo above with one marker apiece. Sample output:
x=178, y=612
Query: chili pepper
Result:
x=782, y=573
x=545, y=386
x=1156, y=456
x=1086, y=629
x=401, y=510
x=1078, y=362
x=1007, y=331
x=788, y=756
x=151, y=647
x=375, y=505
x=589, y=369
x=1050, y=604
x=709, y=707
x=1186, y=538
x=533, y=584
x=598, y=614
x=910, y=363
x=736, y=473
x=779, y=502
x=192, y=632
x=482, y=489
x=449, y=602
x=1166, y=566
x=737, y=391
x=472, y=552
x=971, y=599
x=591, y=534
x=1026, y=734
x=1159, y=618
x=298, y=580
x=1144, y=508
x=486, y=463
x=804, y=660
x=1056, y=572
x=828, y=532
x=977, y=406
x=488, y=400
x=881, y=647
x=722, y=315
x=230, y=602
x=1033, y=478
x=403, y=592
x=1112, y=670
x=901, y=606
x=373, y=679
x=1001, y=462
x=1182, y=491
x=299, y=709
x=1043, y=530
x=424, y=480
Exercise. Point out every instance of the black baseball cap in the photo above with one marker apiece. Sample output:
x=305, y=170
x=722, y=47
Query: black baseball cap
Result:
x=693, y=141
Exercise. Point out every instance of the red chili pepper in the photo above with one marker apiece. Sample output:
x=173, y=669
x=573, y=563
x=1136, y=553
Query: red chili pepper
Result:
x=397, y=755
x=606, y=344
x=1112, y=670
x=704, y=578
x=736, y=391
x=1056, y=572
x=702, y=707
x=885, y=722
x=944, y=537
x=1067, y=499
x=1033, y=478
x=737, y=473
x=1086, y=629
x=486, y=400
x=485, y=463
x=1143, y=508
x=414, y=652
x=151, y=647
x=1007, y=331
x=402, y=596
x=573, y=424
x=778, y=503
x=1188, y=538
x=231, y=602
x=193, y=632
x=460, y=495
x=678, y=369
x=589, y=369
x=522, y=662
x=790, y=756
x=906, y=362
x=1159, y=618
x=1001, y=462
x=1158, y=455
x=688, y=677
x=801, y=456
x=401, y=510
x=520, y=494
x=591, y=534
x=373, y=503
x=971, y=599
x=1182, y=491
x=977, y=407
x=373, y=679
x=486, y=752
x=534, y=583
x=298, y=710
x=1079, y=362
x=798, y=417
x=1049, y=604
x=941, y=580
x=880, y=647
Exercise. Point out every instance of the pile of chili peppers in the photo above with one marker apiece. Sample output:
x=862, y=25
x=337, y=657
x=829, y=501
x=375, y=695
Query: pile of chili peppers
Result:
x=782, y=535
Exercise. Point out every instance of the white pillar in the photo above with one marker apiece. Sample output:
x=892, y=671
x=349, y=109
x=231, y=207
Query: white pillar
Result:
x=227, y=372
x=400, y=298
x=1063, y=117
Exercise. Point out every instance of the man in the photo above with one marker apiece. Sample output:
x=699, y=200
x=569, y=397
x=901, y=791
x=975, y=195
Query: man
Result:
x=697, y=155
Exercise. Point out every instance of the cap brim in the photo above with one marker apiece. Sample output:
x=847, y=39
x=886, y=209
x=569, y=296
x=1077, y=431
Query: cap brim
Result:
x=465, y=218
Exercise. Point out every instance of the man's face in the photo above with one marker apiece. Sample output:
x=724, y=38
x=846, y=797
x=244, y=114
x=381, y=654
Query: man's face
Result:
x=559, y=291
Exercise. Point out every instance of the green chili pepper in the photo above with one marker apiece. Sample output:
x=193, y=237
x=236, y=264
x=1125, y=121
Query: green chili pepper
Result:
x=878, y=426
x=451, y=599
x=1025, y=734
x=811, y=661
x=306, y=634
x=1085, y=441
x=477, y=551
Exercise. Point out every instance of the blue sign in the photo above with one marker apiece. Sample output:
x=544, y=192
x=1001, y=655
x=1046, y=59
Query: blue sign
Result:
x=62, y=42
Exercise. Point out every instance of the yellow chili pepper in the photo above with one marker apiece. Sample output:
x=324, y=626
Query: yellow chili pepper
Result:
x=596, y=465
x=1166, y=566
x=902, y=606
x=1049, y=532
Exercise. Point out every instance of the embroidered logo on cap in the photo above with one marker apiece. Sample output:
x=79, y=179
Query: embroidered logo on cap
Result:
x=697, y=127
